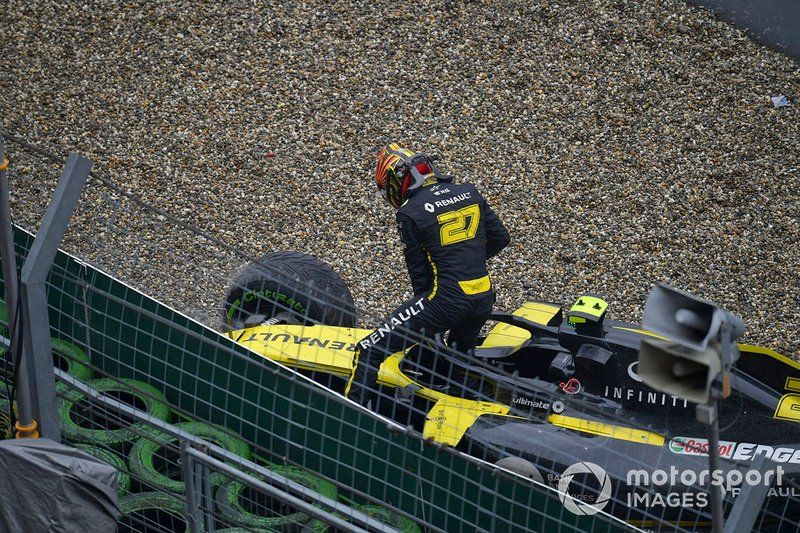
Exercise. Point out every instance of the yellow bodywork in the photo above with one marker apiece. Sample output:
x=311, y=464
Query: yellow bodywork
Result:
x=587, y=307
x=323, y=348
x=506, y=335
x=331, y=349
x=607, y=430
x=788, y=407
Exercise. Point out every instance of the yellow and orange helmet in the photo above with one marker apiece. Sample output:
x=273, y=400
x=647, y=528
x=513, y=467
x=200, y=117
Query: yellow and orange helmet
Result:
x=401, y=171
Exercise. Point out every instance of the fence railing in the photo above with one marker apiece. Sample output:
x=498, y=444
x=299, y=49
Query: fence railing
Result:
x=196, y=452
x=288, y=419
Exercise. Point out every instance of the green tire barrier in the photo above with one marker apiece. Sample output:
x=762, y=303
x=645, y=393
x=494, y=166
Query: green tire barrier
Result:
x=78, y=425
x=401, y=523
x=71, y=359
x=152, y=511
x=232, y=507
x=142, y=458
x=5, y=420
x=381, y=514
x=107, y=456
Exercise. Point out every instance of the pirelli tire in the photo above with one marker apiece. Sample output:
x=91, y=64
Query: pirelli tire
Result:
x=82, y=420
x=152, y=511
x=294, y=282
x=146, y=451
x=107, y=456
x=232, y=507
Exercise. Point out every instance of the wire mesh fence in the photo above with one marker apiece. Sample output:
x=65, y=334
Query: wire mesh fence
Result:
x=171, y=474
x=543, y=395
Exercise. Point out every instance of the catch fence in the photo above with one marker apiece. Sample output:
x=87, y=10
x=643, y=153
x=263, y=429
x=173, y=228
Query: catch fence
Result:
x=238, y=358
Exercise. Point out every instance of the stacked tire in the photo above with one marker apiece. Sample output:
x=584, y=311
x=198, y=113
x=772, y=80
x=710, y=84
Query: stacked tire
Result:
x=6, y=431
x=66, y=355
x=113, y=459
x=154, y=460
x=239, y=505
x=152, y=511
x=104, y=433
x=83, y=420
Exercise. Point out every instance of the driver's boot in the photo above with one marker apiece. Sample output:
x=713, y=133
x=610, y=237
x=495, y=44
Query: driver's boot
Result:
x=362, y=382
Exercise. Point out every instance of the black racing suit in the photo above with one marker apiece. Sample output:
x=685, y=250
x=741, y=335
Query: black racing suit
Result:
x=449, y=232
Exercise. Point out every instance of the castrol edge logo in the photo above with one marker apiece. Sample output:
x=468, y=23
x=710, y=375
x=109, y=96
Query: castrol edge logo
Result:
x=692, y=446
x=738, y=451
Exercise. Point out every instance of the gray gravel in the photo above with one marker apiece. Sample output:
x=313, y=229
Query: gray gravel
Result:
x=623, y=143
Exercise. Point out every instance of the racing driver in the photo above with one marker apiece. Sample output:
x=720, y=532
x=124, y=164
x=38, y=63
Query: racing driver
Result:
x=449, y=231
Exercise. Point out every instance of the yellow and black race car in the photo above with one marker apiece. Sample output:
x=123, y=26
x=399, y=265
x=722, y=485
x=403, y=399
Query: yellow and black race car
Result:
x=554, y=389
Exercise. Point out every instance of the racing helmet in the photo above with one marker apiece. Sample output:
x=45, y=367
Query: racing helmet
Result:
x=401, y=171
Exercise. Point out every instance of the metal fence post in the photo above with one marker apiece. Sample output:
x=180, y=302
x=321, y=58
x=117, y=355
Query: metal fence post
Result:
x=36, y=364
x=192, y=502
x=10, y=277
x=7, y=245
x=207, y=492
x=748, y=503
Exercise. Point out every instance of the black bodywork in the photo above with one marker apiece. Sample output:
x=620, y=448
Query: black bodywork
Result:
x=589, y=373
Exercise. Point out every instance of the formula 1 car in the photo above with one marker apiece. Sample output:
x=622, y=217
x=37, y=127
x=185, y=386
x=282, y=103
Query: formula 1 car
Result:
x=551, y=390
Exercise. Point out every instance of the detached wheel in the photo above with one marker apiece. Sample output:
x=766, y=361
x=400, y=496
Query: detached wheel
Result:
x=238, y=504
x=155, y=460
x=85, y=420
x=298, y=284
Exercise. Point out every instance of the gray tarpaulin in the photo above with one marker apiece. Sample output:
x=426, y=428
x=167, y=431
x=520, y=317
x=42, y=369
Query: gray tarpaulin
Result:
x=49, y=487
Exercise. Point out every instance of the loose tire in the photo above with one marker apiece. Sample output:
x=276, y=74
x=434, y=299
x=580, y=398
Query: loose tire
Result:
x=152, y=511
x=235, y=511
x=107, y=456
x=149, y=466
x=300, y=284
x=83, y=421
